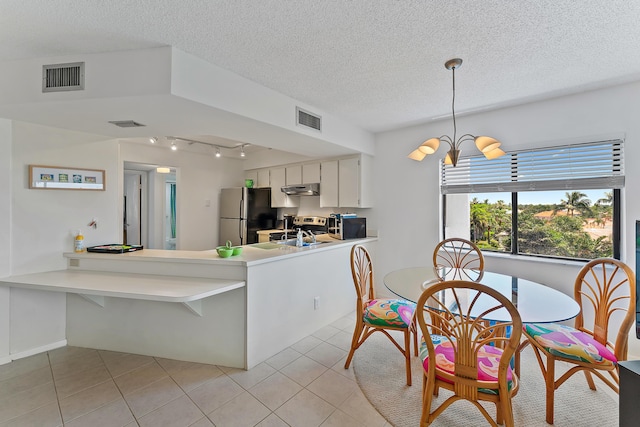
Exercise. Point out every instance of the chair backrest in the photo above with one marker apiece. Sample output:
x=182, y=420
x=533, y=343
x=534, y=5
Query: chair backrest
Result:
x=605, y=289
x=456, y=318
x=362, y=272
x=458, y=259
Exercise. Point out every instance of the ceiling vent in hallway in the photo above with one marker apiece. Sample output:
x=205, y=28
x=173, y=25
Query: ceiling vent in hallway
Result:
x=305, y=118
x=63, y=77
x=126, y=124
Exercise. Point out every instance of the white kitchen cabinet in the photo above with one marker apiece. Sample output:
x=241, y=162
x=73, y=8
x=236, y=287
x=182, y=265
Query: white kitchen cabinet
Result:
x=278, y=198
x=311, y=173
x=260, y=177
x=293, y=175
x=263, y=179
x=354, y=182
x=253, y=175
x=329, y=184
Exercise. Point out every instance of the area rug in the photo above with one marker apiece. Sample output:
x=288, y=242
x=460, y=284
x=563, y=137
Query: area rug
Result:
x=380, y=372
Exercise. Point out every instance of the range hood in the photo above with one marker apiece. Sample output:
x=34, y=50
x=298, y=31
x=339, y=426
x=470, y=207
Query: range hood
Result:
x=302, y=190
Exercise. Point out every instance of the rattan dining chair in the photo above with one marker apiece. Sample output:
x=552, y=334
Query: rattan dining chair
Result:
x=459, y=351
x=458, y=259
x=605, y=289
x=379, y=314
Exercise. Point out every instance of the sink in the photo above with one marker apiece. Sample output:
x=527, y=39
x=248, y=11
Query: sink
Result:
x=292, y=242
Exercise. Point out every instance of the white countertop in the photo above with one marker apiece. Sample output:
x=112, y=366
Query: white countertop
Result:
x=124, y=285
x=159, y=287
x=257, y=253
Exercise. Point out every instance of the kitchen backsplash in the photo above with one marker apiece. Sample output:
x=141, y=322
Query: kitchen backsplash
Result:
x=311, y=206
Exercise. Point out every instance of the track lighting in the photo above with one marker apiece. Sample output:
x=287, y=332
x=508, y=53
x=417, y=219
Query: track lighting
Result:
x=218, y=148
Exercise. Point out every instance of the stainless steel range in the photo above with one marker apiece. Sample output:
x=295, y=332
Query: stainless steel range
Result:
x=313, y=224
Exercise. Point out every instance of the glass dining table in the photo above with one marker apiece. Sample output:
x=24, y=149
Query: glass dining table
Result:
x=536, y=303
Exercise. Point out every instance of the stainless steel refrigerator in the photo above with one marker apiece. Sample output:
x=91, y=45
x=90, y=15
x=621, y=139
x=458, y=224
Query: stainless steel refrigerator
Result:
x=243, y=212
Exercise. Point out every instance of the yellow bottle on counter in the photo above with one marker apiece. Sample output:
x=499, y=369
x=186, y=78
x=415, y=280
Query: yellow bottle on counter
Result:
x=79, y=242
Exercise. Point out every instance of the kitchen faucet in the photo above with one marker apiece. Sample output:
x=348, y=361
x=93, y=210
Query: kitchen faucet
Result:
x=310, y=234
x=284, y=237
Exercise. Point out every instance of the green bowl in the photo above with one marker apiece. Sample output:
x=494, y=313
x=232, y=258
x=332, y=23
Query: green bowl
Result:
x=237, y=250
x=224, y=252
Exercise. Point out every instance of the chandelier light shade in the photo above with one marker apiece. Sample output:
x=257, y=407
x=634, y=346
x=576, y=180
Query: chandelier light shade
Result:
x=487, y=145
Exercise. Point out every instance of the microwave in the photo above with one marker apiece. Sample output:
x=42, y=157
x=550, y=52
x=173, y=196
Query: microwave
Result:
x=347, y=228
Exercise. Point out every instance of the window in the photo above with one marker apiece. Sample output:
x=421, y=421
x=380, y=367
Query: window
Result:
x=566, y=199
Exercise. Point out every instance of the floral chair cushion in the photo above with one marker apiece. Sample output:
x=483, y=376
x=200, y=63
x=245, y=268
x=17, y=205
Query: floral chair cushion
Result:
x=389, y=312
x=488, y=361
x=570, y=343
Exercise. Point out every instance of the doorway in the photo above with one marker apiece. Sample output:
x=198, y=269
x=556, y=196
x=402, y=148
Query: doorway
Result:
x=150, y=206
x=170, y=219
x=134, y=225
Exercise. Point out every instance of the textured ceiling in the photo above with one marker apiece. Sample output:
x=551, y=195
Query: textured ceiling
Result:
x=375, y=63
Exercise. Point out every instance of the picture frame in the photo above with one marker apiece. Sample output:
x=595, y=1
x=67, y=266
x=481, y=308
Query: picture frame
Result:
x=65, y=178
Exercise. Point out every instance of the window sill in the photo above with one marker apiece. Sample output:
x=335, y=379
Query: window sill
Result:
x=533, y=259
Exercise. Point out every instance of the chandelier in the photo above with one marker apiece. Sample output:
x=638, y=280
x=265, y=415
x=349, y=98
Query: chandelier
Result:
x=487, y=145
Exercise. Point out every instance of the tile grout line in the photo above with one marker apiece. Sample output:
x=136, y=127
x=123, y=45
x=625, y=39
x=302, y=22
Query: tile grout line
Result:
x=117, y=388
x=183, y=390
x=55, y=389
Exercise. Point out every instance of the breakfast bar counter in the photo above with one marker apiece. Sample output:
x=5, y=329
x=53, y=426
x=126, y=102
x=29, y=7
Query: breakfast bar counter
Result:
x=196, y=306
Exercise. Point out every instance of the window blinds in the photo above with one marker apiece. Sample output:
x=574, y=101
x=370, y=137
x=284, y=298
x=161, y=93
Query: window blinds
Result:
x=596, y=165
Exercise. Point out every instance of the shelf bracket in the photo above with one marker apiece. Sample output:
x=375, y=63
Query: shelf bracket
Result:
x=96, y=299
x=194, y=306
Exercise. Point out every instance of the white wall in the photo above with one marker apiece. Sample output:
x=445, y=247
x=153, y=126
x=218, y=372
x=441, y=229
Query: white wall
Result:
x=42, y=224
x=5, y=235
x=408, y=197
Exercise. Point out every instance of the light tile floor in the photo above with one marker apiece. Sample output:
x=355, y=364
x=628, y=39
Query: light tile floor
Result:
x=304, y=385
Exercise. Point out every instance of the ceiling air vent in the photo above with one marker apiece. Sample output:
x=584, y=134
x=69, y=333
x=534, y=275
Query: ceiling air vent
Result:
x=126, y=123
x=305, y=118
x=63, y=77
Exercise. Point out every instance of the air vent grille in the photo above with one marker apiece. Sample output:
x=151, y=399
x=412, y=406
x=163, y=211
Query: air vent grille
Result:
x=307, y=119
x=126, y=124
x=63, y=77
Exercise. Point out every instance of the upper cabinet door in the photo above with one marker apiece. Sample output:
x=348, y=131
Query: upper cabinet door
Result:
x=349, y=182
x=355, y=188
x=294, y=175
x=311, y=173
x=252, y=175
x=329, y=184
x=278, y=198
x=263, y=179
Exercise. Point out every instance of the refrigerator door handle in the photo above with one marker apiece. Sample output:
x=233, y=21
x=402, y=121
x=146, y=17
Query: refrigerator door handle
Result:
x=240, y=227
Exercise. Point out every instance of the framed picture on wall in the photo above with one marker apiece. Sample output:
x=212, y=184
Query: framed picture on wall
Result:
x=65, y=178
